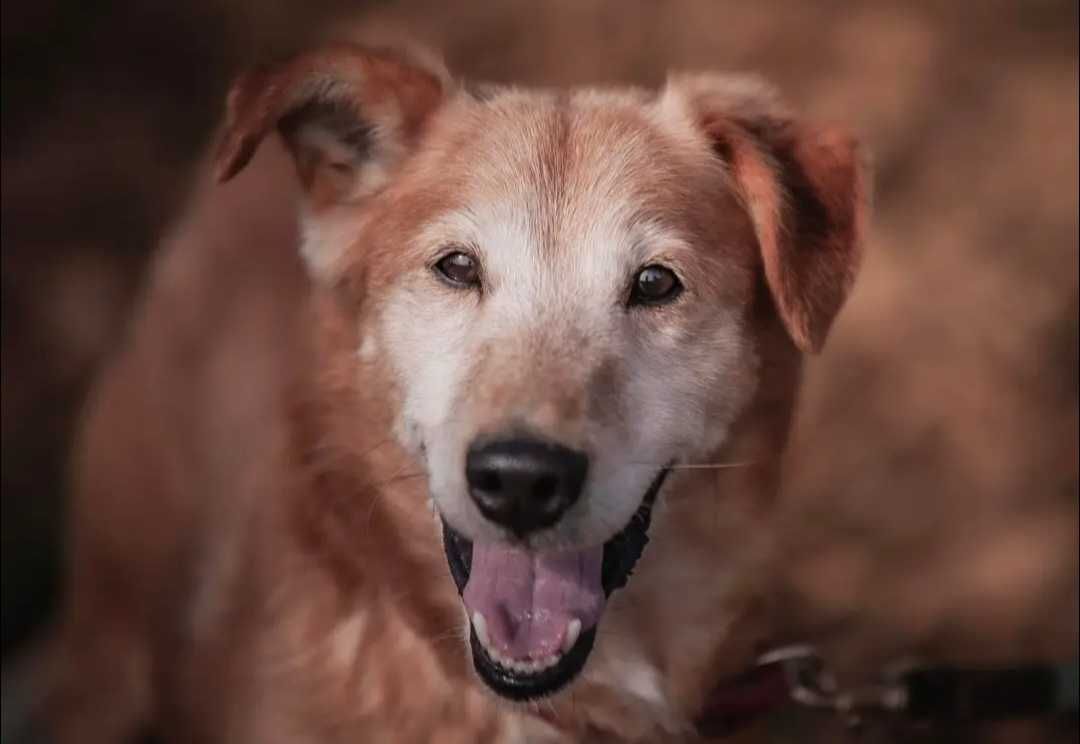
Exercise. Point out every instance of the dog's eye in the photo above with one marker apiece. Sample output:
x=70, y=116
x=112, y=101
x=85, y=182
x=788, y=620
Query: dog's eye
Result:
x=655, y=285
x=459, y=269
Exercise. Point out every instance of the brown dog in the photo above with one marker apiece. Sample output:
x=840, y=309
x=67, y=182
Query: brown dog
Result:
x=537, y=330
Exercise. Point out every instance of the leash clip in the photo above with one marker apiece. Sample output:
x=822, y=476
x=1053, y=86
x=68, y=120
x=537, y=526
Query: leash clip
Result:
x=921, y=693
x=811, y=685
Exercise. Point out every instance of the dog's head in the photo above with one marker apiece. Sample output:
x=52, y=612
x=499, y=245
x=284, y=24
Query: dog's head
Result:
x=562, y=284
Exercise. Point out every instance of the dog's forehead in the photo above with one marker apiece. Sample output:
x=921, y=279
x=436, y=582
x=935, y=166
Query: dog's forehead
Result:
x=565, y=146
x=556, y=170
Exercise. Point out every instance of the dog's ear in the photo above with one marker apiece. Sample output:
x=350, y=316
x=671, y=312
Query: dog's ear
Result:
x=349, y=116
x=805, y=188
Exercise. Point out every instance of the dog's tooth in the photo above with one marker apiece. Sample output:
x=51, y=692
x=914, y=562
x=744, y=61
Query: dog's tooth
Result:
x=480, y=626
x=524, y=666
x=573, y=630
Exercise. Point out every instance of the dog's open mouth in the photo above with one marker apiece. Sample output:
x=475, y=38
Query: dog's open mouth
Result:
x=533, y=616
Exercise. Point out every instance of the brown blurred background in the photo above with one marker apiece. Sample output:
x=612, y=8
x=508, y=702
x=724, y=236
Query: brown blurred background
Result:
x=932, y=499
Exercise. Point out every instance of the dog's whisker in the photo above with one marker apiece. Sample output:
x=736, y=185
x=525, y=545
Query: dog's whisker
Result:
x=373, y=492
x=700, y=465
x=397, y=478
x=446, y=638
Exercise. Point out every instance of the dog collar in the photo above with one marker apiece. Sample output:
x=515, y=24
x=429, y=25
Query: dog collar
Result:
x=738, y=702
x=916, y=692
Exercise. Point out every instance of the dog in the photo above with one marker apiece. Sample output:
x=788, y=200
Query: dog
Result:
x=481, y=441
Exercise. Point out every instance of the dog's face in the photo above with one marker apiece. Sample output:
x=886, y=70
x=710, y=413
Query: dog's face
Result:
x=570, y=310
x=561, y=284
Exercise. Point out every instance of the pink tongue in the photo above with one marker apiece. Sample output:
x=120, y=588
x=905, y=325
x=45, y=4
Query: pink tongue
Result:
x=527, y=599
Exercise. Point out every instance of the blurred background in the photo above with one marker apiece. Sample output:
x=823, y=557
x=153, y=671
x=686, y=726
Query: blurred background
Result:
x=931, y=504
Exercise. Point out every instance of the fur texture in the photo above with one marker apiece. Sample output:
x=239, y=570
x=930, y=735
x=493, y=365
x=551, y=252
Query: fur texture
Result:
x=261, y=550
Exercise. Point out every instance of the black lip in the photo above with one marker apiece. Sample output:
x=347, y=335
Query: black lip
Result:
x=621, y=554
x=458, y=550
x=521, y=687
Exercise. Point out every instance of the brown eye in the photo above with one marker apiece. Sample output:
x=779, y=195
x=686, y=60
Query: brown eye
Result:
x=655, y=285
x=459, y=269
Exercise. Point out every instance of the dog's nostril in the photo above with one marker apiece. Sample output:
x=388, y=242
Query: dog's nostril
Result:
x=488, y=480
x=524, y=484
x=544, y=488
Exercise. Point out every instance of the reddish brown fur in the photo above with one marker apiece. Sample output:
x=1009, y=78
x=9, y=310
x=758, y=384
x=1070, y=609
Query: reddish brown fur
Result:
x=257, y=548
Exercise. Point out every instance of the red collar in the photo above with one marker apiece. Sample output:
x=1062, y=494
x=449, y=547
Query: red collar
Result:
x=738, y=702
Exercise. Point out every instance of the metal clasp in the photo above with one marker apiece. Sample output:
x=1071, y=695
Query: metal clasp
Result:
x=810, y=684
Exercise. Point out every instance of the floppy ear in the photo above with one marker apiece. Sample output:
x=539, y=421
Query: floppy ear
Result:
x=348, y=115
x=804, y=186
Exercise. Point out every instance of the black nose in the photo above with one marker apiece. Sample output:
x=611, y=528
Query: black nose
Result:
x=524, y=484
